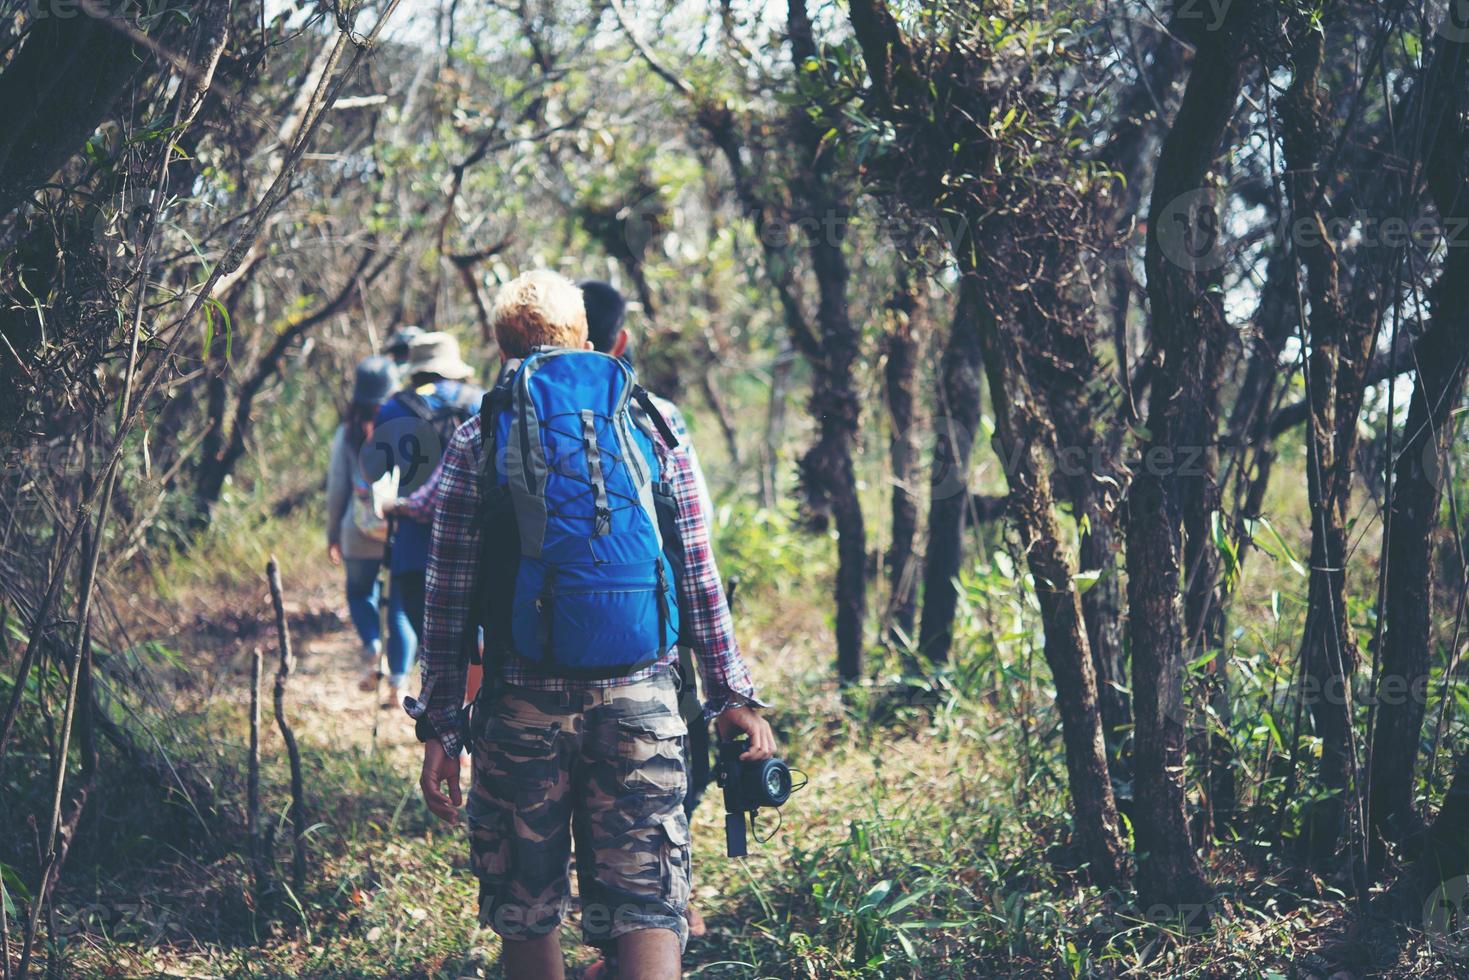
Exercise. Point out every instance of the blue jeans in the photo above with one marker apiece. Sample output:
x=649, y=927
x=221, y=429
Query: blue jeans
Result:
x=364, y=598
x=407, y=611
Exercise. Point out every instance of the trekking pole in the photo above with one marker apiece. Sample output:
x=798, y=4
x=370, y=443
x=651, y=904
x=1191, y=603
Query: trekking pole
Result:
x=388, y=590
x=386, y=612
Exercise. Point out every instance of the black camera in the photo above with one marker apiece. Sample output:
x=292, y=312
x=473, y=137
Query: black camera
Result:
x=748, y=786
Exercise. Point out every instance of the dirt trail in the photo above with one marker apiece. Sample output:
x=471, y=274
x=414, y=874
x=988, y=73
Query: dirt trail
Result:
x=323, y=702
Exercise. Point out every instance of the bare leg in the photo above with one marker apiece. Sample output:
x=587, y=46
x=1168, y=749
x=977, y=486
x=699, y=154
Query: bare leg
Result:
x=649, y=954
x=537, y=959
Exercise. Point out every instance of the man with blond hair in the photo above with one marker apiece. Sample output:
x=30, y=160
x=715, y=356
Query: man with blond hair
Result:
x=577, y=727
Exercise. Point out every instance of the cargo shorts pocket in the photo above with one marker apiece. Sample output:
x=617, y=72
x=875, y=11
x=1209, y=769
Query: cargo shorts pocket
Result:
x=518, y=760
x=675, y=863
x=650, y=754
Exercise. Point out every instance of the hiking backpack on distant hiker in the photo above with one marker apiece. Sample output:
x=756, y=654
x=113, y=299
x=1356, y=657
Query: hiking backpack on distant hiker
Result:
x=580, y=555
x=441, y=416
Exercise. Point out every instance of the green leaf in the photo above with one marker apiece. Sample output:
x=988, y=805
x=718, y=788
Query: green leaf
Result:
x=933, y=924
x=1273, y=544
x=212, y=306
x=909, y=899
x=11, y=881
x=875, y=896
x=1203, y=659
x=1269, y=720
x=1085, y=580
x=208, y=330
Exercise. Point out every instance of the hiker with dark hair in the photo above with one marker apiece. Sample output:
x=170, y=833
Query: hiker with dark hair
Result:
x=400, y=342
x=571, y=530
x=356, y=525
x=411, y=430
x=608, y=333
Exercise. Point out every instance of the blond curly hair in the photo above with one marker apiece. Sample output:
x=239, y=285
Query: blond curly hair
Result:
x=540, y=308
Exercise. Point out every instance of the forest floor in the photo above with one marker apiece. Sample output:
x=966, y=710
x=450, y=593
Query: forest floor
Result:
x=930, y=841
x=390, y=892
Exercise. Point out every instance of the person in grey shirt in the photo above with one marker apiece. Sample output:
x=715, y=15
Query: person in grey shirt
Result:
x=355, y=535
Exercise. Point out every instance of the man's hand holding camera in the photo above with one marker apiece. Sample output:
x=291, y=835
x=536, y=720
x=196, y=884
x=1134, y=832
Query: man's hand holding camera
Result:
x=745, y=719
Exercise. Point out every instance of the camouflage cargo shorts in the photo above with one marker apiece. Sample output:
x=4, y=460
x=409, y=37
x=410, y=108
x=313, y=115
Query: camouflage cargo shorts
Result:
x=600, y=770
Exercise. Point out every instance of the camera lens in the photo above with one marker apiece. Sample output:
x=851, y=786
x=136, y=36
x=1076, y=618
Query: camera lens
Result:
x=774, y=782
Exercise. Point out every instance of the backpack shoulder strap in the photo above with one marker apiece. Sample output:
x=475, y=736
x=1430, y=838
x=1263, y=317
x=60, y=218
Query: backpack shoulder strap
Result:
x=645, y=402
x=489, y=408
x=495, y=401
x=416, y=404
x=495, y=521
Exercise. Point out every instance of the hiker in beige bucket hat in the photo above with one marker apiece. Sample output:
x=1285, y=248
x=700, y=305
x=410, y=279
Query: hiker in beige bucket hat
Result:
x=436, y=353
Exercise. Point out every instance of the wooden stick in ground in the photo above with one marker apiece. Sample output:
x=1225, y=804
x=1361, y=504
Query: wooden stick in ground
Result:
x=298, y=789
x=258, y=870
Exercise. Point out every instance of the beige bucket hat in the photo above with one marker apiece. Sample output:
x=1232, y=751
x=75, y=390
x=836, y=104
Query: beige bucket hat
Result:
x=436, y=353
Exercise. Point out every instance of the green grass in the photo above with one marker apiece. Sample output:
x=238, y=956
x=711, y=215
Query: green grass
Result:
x=932, y=840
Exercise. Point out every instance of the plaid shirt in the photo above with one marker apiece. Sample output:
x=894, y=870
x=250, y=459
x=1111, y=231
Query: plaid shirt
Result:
x=451, y=499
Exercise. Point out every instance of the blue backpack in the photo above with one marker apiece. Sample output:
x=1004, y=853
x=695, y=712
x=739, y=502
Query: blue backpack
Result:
x=580, y=555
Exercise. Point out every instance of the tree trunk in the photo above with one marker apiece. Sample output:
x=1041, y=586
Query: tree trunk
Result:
x=1417, y=484
x=1340, y=352
x=1064, y=370
x=908, y=313
x=60, y=85
x=827, y=470
x=1442, y=359
x=775, y=417
x=1443, y=861
x=1188, y=328
x=1203, y=612
x=955, y=425
x=1024, y=439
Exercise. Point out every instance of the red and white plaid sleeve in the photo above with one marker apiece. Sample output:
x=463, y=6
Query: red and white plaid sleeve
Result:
x=452, y=553
x=709, y=630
